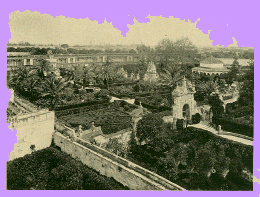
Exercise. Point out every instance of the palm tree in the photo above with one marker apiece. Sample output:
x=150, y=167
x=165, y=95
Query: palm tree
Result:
x=105, y=72
x=23, y=78
x=42, y=68
x=170, y=77
x=53, y=87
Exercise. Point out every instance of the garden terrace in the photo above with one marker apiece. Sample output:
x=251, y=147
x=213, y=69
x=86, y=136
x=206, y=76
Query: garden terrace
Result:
x=108, y=116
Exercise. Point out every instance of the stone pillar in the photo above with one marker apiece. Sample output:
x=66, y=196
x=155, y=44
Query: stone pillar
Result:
x=24, y=62
x=31, y=62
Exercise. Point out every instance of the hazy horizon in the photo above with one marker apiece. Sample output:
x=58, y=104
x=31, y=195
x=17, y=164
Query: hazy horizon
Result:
x=44, y=29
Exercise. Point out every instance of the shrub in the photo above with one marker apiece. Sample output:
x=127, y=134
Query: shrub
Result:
x=102, y=94
x=196, y=118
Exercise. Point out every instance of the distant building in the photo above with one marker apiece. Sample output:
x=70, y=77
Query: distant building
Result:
x=211, y=66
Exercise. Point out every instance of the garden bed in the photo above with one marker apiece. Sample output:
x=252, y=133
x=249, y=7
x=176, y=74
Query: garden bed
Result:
x=110, y=118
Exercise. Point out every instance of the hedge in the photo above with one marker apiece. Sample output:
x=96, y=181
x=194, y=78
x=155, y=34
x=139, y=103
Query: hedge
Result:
x=234, y=127
x=241, y=111
x=81, y=109
x=137, y=94
x=152, y=107
x=89, y=103
x=110, y=117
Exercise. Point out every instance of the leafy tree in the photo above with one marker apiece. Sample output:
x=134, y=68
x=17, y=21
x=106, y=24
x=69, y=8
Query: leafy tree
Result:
x=165, y=48
x=132, y=144
x=184, y=51
x=216, y=105
x=150, y=130
x=149, y=127
x=246, y=93
x=65, y=46
x=232, y=75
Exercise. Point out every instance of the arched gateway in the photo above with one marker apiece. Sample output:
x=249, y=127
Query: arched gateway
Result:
x=184, y=104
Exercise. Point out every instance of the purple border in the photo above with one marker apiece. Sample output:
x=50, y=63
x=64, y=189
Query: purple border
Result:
x=214, y=15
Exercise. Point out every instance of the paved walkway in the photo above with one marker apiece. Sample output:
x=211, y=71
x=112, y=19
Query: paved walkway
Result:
x=130, y=101
x=214, y=131
x=230, y=100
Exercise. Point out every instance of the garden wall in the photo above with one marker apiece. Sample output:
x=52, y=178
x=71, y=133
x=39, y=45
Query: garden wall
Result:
x=110, y=165
x=33, y=129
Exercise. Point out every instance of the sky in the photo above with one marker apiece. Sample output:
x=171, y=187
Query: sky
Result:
x=37, y=28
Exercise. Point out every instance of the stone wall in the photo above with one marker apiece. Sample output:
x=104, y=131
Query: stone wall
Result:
x=34, y=132
x=111, y=165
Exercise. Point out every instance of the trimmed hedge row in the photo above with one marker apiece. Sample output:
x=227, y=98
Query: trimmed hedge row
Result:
x=81, y=109
x=152, y=107
x=137, y=94
x=234, y=127
x=241, y=111
x=89, y=103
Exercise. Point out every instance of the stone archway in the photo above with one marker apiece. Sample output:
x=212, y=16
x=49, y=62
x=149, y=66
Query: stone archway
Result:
x=184, y=104
x=186, y=111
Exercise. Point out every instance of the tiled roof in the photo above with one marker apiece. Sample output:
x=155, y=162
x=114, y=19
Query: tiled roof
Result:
x=211, y=60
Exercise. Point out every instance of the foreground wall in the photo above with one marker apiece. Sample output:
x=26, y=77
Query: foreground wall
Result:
x=34, y=131
x=110, y=165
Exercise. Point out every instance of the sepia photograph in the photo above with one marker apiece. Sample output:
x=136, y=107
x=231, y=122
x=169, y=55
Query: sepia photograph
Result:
x=161, y=106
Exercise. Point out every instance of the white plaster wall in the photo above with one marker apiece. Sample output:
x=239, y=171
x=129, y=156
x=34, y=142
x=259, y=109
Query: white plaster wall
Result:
x=33, y=129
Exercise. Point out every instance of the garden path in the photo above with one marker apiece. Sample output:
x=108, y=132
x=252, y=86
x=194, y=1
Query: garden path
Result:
x=204, y=126
x=130, y=101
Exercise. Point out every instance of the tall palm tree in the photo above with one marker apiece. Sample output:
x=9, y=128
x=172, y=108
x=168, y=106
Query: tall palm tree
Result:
x=105, y=72
x=21, y=77
x=42, y=68
x=170, y=77
x=53, y=87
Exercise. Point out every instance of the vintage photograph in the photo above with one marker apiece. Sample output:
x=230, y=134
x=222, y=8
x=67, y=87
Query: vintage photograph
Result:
x=159, y=109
